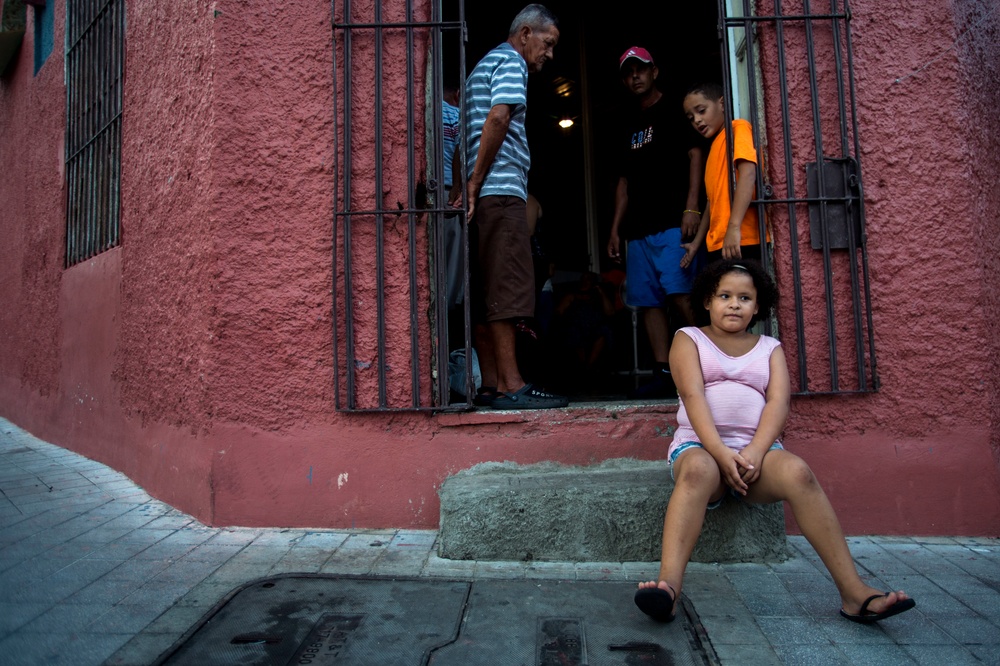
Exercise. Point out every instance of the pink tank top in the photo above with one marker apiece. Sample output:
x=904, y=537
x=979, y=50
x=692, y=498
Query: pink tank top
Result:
x=734, y=387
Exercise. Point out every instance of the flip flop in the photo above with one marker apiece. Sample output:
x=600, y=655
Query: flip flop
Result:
x=657, y=603
x=869, y=617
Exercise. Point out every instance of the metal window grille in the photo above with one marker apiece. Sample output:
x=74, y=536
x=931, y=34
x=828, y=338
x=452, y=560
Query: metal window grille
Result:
x=388, y=207
x=95, y=54
x=797, y=55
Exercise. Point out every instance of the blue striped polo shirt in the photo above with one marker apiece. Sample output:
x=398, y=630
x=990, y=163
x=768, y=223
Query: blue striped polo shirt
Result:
x=501, y=77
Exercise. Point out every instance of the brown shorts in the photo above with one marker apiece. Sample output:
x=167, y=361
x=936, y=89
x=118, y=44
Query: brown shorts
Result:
x=504, y=279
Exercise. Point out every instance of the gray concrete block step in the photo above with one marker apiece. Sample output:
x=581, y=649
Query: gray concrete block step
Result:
x=608, y=512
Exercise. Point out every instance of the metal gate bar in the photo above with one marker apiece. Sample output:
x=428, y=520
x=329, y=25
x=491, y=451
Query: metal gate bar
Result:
x=346, y=219
x=826, y=204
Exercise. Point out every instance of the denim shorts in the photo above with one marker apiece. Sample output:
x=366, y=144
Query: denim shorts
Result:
x=690, y=445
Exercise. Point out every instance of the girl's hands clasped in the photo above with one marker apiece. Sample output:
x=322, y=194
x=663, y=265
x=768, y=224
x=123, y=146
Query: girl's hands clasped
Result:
x=751, y=471
x=732, y=465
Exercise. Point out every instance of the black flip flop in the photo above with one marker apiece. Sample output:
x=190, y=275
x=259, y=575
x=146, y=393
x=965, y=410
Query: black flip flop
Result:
x=869, y=617
x=657, y=603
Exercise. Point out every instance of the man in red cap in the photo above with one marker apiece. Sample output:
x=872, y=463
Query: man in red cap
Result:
x=657, y=210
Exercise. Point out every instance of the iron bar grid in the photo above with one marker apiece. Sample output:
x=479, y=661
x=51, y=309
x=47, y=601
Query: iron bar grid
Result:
x=360, y=219
x=846, y=329
x=95, y=49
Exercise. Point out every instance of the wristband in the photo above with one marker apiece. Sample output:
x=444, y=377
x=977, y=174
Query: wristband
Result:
x=696, y=212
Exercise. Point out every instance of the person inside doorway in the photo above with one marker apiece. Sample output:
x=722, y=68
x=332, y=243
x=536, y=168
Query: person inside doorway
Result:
x=656, y=210
x=497, y=163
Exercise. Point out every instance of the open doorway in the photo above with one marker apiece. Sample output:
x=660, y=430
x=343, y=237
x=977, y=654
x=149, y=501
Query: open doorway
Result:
x=573, y=172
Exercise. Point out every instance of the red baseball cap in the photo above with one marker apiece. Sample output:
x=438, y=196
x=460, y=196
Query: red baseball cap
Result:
x=636, y=52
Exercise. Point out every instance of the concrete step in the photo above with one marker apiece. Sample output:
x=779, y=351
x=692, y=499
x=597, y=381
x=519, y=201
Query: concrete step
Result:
x=608, y=512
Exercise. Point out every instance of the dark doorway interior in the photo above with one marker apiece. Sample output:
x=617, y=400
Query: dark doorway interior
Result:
x=573, y=170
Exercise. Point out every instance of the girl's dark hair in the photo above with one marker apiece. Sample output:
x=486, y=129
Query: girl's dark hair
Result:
x=708, y=281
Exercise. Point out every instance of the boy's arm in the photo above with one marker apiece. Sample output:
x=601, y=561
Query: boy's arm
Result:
x=772, y=418
x=746, y=182
x=621, y=205
x=692, y=246
x=690, y=219
x=494, y=133
x=685, y=368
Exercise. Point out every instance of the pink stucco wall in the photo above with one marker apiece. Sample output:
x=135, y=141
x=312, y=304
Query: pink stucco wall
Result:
x=198, y=356
x=919, y=451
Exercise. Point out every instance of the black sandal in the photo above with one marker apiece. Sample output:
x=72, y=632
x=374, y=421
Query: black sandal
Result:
x=485, y=396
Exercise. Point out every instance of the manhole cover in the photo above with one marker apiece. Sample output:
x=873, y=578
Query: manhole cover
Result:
x=321, y=620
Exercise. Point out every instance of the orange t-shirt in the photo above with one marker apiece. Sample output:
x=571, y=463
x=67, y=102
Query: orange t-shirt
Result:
x=717, y=187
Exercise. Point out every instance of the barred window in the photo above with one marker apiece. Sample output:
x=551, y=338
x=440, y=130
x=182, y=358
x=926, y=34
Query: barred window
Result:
x=95, y=54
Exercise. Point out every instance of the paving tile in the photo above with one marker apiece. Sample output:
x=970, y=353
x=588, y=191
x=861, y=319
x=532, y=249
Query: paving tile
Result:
x=30, y=649
x=915, y=628
x=971, y=630
x=194, y=534
x=737, y=628
x=420, y=538
x=756, y=655
x=209, y=553
x=117, y=550
x=103, y=592
x=235, y=573
x=825, y=655
x=14, y=615
x=82, y=572
x=165, y=592
x=191, y=572
x=141, y=650
x=208, y=593
x=325, y=540
x=136, y=570
x=88, y=649
x=234, y=537
x=283, y=538
x=304, y=559
x=764, y=594
x=936, y=655
x=175, y=621
x=889, y=655
x=351, y=561
x=985, y=604
x=988, y=654
x=789, y=630
x=165, y=550
x=126, y=619
x=63, y=618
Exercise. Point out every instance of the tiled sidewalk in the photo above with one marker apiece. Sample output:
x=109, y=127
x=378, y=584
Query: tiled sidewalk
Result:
x=93, y=570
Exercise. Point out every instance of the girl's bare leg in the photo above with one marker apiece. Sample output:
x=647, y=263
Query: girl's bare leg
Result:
x=697, y=482
x=785, y=476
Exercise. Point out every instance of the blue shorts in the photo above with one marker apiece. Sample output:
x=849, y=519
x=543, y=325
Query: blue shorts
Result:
x=653, y=269
x=690, y=445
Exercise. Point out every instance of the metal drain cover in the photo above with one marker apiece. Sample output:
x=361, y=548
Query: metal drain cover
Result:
x=322, y=620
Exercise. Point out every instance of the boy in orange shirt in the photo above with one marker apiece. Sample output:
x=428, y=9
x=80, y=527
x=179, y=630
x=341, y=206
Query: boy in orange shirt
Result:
x=729, y=232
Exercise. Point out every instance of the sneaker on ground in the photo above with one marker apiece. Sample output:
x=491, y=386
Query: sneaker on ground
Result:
x=529, y=397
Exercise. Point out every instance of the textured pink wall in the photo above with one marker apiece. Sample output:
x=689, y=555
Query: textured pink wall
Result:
x=32, y=109
x=978, y=49
x=197, y=357
x=911, y=457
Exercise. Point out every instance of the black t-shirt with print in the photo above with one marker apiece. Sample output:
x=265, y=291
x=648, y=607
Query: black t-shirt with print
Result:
x=653, y=157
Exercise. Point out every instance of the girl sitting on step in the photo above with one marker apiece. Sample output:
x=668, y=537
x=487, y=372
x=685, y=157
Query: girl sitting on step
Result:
x=734, y=392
